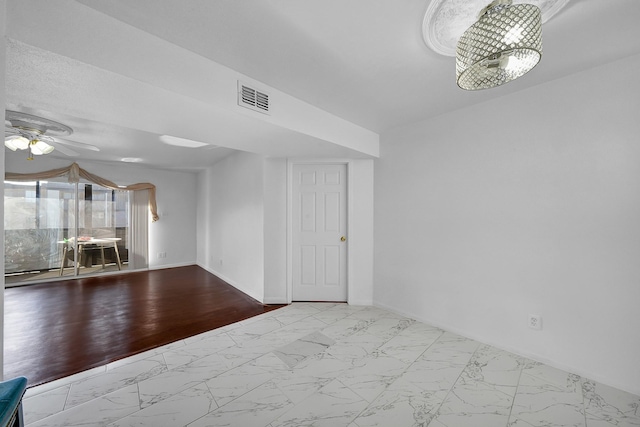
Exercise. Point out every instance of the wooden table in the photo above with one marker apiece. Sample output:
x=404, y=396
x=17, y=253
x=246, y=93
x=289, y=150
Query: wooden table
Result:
x=102, y=242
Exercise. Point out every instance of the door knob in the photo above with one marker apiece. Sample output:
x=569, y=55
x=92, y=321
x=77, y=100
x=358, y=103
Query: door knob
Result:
x=343, y=239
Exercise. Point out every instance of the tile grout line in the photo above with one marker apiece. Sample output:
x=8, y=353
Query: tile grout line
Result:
x=456, y=381
x=584, y=406
x=513, y=401
x=405, y=370
x=338, y=379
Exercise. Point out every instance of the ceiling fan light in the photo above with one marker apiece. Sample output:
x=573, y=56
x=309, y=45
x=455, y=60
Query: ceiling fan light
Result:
x=35, y=150
x=48, y=149
x=10, y=145
x=29, y=132
x=504, y=44
x=39, y=147
x=16, y=142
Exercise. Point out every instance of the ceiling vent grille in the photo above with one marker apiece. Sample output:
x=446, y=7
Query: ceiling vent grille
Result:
x=252, y=98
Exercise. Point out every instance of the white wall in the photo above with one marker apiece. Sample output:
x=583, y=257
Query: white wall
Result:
x=3, y=5
x=232, y=195
x=203, y=213
x=360, y=233
x=275, y=231
x=528, y=204
x=231, y=221
x=174, y=233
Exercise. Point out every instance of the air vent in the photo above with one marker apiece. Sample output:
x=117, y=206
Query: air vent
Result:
x=253, y=98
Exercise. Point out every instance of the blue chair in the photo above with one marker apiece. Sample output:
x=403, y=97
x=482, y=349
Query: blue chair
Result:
x=11, y=393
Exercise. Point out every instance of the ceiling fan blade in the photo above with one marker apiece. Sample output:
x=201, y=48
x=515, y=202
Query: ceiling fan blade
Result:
x=75, y=144
x=66, y=151
x=46, y=138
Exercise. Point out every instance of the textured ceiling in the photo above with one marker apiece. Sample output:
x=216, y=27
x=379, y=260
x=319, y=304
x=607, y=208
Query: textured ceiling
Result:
x=362, y=60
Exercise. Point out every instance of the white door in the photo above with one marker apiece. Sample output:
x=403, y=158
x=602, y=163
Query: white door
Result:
x=319, y=232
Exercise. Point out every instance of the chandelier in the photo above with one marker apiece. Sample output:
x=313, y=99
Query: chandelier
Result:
x=493, y=44
x=504, y=44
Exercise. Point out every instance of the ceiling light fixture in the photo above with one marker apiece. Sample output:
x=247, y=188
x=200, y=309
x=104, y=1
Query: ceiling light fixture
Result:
x=29, y=139
x=492, y=47
x=181, y=142
x=504, y=44
x=26, y=132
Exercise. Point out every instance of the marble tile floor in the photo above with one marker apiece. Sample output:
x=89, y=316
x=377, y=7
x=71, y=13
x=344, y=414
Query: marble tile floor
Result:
x=323, y=364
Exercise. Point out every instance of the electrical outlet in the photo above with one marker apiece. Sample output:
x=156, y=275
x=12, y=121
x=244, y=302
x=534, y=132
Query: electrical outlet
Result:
x=535, y=322
x=162, y=254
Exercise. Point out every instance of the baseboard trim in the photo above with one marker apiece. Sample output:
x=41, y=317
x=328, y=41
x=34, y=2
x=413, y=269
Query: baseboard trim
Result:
x=365, y=302
x=528, y=355
x=281, y=300
x=179, y=264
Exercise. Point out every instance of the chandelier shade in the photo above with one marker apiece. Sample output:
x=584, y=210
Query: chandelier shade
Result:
x=504, y=44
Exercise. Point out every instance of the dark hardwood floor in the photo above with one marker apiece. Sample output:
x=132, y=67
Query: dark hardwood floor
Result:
x=56, y=329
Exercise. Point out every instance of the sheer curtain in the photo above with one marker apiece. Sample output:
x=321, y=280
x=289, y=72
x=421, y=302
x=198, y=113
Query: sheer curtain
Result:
x=139, y=230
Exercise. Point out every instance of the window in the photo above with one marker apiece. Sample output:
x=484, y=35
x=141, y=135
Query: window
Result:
x=47, y=236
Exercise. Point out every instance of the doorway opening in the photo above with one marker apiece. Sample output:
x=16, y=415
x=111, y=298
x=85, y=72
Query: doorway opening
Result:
x=319, y=232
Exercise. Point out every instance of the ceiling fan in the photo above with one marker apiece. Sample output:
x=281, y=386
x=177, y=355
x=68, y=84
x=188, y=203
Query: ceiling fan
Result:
x=36, y=134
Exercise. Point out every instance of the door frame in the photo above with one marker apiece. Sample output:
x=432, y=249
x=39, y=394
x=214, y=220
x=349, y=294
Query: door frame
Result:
x=290, y=165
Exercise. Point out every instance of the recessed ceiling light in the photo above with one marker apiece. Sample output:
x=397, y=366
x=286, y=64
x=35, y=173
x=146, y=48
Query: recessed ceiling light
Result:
x=131, y=159
x=181, y=142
